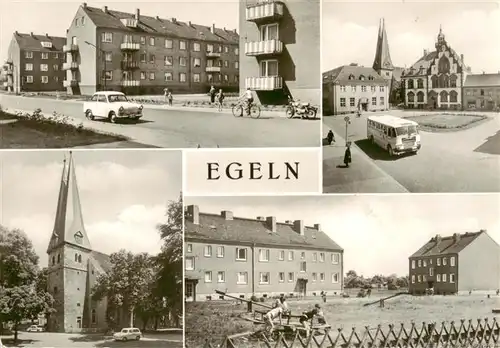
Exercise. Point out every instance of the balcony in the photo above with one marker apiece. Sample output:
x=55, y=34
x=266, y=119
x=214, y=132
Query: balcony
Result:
x=211, y=69
x=129, y=64
x=270, y=83
x=70, y=48
x=130, y=46
x=9, y=70
x=213, y=54
x=131, y=83
x=263, y=48
x=264, y=11
x=70, y=66
x=70, y=83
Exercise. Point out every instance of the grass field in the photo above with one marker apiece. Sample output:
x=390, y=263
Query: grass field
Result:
x=446, y=121
x=218, y=319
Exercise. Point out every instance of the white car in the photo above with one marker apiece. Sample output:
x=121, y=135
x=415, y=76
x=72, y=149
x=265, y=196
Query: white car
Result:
x=130, y=333
x=113, y=106
x=34, y=328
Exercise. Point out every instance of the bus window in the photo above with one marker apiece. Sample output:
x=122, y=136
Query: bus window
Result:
x=412, y=130
x=392, y=132
x=402, y=130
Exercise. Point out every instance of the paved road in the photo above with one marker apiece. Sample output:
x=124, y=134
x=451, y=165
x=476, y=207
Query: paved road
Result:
x=188, y=128
x=463, y=161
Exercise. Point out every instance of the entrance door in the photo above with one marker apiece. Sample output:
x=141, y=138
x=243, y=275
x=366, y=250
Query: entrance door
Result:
x=189, y=291
x=302, y=287
x=79, y=322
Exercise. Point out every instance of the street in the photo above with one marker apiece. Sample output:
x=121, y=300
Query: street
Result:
x=178, y=128
x=66, y=340
x=455, y=161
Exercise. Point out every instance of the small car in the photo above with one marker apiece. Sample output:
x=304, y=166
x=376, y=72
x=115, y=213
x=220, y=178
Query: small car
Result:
x=129, y=333
x=113, y=106
x=34, y=328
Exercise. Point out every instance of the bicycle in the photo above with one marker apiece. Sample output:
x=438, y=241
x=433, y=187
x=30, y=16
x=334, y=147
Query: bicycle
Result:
x=238, y=109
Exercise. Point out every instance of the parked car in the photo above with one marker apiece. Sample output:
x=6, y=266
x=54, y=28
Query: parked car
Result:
x=113, y=106
x=34, y=328
x=129, y=333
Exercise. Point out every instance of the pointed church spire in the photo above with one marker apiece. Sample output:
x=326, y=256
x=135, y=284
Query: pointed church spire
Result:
x=382, y=59
x=68, y=223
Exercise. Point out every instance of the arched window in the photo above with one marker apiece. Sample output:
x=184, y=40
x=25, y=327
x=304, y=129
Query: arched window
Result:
x=444, y=65
x=58, y=258
x=410, y=84
x=443, y=96
x=76, y=257
x=420, y=83
x=434, y=81
x=362, y=77
x=94, y=318
x=53, y=260
x=80, y=258
x=453, y=96
x=420, y=97
x=411, y=97
x=351, y=77
x=453, y=80
x=443, y=81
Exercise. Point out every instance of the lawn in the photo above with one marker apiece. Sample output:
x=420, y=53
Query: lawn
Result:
x=219, y=319
x=31, y=133
x=439, y=122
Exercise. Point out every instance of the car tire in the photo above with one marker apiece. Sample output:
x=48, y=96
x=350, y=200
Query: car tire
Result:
x=390, y=150
x=112, y=117
x=124, y=339
x=89, y=115
x=138, y=338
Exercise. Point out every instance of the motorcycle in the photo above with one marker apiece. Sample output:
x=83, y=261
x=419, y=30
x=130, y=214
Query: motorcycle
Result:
x=304, y=110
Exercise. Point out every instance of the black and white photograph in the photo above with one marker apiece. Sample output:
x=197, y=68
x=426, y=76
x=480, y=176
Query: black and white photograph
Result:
x=342, y=271
x=411, y=97
x=91, y=249
x=204, y=74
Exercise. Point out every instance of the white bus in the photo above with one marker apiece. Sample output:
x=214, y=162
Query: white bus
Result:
x=394, y=134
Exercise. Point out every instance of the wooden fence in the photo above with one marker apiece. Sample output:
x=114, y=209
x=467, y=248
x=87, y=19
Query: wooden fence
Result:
x=480, y=333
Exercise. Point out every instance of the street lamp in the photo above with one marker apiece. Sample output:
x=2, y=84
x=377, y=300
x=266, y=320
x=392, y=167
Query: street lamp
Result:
x=103, y=55
x=347, y=123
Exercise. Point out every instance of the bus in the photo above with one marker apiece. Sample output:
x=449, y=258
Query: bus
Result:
x=394, y=134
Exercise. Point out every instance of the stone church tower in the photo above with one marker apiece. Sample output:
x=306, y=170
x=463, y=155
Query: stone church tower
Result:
x=382, y=63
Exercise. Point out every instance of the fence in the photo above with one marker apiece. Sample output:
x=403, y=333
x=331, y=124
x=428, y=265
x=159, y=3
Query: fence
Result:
x=482, y=333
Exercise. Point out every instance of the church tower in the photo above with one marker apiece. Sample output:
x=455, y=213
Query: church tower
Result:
x=69, y=251
x=382, y=63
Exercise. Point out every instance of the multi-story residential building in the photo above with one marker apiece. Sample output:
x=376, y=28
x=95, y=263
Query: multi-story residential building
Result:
x=482, y=92
x=280, y=53
x=436, y=79
x=350, y=88
x=140, y=54
x=462, y=262
x=244, y=257
x=34, y=63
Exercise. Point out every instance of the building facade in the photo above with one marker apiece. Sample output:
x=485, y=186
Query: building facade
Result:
x=482, y=92
x=435, y=81
x=140, y=54
x=261, y=257
x=280, y=53
x=459, y=263
x=34, y=63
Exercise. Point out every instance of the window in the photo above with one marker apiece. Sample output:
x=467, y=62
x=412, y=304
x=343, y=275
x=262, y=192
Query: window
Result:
x=44, y=67
x=143, y=40
x=438, y=277
x=196, y=46
x=236, y=50
x=108, y=56
x=382, y=101
x=335, y=258
x=226, y=49
x=143, y=75
x=321, y=257
x=419, y=278
x=444, y=278
x=412, y=264
x=107, y=37
x=169, y=43
x=291, y=276
x=142, y=57
x=182, y=45
x=303, y=266
x=152, y=59
x=352, y=101
x=236, y=65
x=189, y=248
x=281, y=255
x=182, y=77
x=382, y=88
x=241, y=254
x=263, y=255
x=302, y=255
x=79, y=258
x=353, y=88
x=221, y=277
x=182, y=61
x=268, y=68
x=413, y=279
x=269, y=32
x=342, y=88
x=373, y=89
x=452, y=278
x=374, y=101
x=424, y=278
x=335, y=277
x=53, y=260
x=419, y=262
x=322, y=277
x=363, y=88
x=445, y=261
x=207, y=251
x=76, y=257
x=28, y=54
x=196, y=62
x=431, y=272
x=151, y=41
x=55, y=67
x=242, y=277
x=189, y=263
x=210, y=48
x=264, y=278
x=208, y=277
x=58, y=255
x=290, y=256
x=281, y=277
x=226, y=64
x=28, y=67
x=169, y=76
x=315, y=277
x=45, y=79
x=45, y=55
x=452, y=261
x=342, y=102
x=108, y=75
x=438, y=261
x=152, y=75
x=94, y=317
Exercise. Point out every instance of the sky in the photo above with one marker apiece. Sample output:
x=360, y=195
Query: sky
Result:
x=377, y=232
x=54, y=17
x=350, y=31
x=123, y=195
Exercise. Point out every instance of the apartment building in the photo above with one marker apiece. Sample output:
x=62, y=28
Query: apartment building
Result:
x=482, y=92
x=280, y=53
x=140, y=54
x=34, y=63
x=262, y=257
x=458, y=263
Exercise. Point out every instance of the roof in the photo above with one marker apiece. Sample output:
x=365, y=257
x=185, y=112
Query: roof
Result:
x=102, y=260
x=159, y=26
x=213, y=227
x=109, y=92
x=425, y=62
x=392, y=120
x=382, y=55
x=447, y=245
x=341, y=75
x=34, y=42
x=482, y=80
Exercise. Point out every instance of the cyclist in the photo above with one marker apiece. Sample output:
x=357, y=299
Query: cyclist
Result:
x=248, y=95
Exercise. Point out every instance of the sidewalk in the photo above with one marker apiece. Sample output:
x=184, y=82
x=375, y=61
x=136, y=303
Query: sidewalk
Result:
x=213, y=110
x=362, y=176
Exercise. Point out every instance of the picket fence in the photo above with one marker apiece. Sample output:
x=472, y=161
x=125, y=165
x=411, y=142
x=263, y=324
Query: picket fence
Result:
x=482, y=333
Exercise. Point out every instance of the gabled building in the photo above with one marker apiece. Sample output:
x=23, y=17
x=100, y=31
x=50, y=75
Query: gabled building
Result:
x=262, y=257
x=142, y=54
x=34, y=63
x=451, y=264
x=482, y=92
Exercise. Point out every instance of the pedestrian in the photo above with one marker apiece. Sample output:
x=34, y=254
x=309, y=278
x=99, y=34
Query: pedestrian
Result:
x=347, y=155
x=170, y=98
x=220, y=99
x=165, y=93
x=330, y=137
x=281, y=302
x=269, y=317
x=309, y=316
x=212, y=94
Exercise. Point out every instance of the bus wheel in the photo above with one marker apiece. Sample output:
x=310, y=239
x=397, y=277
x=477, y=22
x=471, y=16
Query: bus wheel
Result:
x=391, y=152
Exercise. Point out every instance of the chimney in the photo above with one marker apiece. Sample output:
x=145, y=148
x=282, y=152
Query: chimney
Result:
x=137, y=14
x=227, y=215
x=213, y=29
x=158, y=18
x=235, y=31
x=289, y=222
x=462, y=58
x=46, y=34
x=298, y=225
x=317, y=227
x=193, y=213
x=174, y=20
x=224, y=28
x=105, y=9
x=189, y=23
x=32, y=34
x=271, y=223
x=84, y=5
x=67, y=31
x=456, y=237
x=260, y=218
x=437, y=238
x=426, y=52
x=16, y=32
